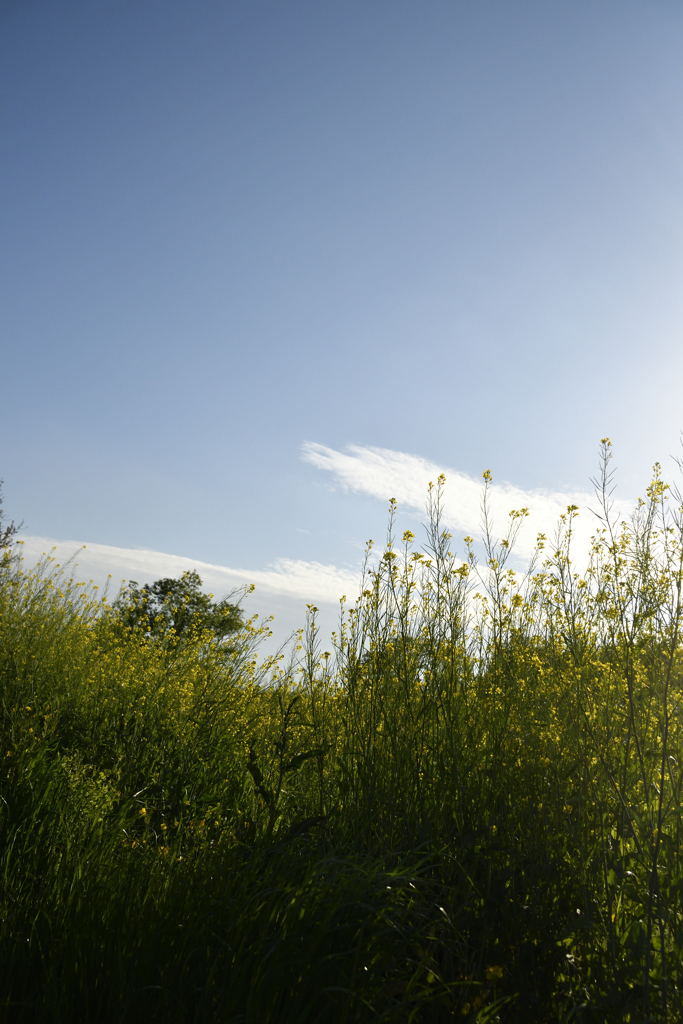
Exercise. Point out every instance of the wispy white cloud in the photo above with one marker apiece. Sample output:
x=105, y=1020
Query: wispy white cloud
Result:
x=283, y=589
x=305, y=581
x=385, y=474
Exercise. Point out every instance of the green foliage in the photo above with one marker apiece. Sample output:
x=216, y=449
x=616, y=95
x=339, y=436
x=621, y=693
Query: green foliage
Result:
x=469, y=810
x=174, y=609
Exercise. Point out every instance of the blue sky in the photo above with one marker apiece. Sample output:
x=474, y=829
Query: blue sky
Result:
x=240, y=237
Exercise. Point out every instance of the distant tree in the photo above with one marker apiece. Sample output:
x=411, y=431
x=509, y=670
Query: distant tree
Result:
x=7, y=530
x=175, y=608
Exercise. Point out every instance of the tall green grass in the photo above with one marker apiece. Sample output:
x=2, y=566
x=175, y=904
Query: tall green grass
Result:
x=469, y=809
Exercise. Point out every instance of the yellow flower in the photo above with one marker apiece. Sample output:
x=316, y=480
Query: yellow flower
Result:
x=493, y=972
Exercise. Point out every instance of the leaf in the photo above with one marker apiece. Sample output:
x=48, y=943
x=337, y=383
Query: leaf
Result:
x=255, y=772
x=299, y=759
x=301, y=828
x=253, y=769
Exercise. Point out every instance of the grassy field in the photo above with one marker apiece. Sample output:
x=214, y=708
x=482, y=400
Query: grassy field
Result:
x=468, y=809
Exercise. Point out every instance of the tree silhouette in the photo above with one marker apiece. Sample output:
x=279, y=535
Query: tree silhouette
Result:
x=175, y=608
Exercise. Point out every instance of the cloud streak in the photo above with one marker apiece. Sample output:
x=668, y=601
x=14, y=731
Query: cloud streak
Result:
x=290, y=578
x=285, y=586
x=384, y=473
